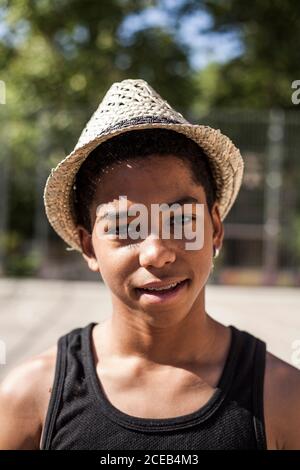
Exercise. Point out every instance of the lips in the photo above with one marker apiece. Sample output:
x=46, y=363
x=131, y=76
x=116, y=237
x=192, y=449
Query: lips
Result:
x=162, y=284
x=159, y=291
x=156, y=287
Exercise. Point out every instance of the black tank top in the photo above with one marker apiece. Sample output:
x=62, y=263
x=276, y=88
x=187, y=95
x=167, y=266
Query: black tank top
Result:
x=80, y=416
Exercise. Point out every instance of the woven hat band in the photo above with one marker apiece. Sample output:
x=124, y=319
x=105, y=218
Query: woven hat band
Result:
x=140, y=120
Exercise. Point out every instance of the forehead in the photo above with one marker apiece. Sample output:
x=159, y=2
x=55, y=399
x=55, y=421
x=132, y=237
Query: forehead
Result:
x=145, y=178
x=151, y=180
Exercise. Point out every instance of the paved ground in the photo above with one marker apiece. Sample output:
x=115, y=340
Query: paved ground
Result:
x=34, y=313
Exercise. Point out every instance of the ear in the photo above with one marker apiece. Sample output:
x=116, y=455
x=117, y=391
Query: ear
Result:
x=218, y=227
x=87, y=248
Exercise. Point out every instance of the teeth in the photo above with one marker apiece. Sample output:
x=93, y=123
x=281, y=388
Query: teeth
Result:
x=163, y=288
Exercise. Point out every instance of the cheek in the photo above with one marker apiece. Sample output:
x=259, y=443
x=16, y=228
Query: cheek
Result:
x=115, y=265
x=201, y=259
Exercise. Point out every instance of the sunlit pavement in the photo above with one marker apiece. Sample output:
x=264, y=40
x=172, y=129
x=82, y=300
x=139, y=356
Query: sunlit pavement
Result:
x=35, y=313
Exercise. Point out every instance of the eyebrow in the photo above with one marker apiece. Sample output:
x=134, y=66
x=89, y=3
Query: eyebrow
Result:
x=181, y=202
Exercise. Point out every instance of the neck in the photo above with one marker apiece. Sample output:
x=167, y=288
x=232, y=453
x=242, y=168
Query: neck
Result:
x=174, y=341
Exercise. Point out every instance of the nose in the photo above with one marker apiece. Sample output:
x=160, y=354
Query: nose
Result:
x=156, y=252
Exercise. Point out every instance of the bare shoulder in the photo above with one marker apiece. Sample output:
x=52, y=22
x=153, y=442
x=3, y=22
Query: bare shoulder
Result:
x=282, y=404
x=24, y=399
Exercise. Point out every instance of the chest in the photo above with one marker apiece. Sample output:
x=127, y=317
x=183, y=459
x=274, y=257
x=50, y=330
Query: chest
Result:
x=159, y=397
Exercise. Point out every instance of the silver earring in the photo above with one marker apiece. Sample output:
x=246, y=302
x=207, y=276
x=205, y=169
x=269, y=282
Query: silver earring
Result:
x=216, y=252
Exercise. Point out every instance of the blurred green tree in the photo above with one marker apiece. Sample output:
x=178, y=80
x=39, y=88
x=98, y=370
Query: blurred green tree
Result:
x=262, y=74
x=57, y=59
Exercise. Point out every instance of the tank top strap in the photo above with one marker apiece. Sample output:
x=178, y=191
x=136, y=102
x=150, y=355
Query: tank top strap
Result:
x=258, y=394
x=68, y=359
x=248, y=384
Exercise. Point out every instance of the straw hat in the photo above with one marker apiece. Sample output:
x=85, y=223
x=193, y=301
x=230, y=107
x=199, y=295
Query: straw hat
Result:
x=131, y=105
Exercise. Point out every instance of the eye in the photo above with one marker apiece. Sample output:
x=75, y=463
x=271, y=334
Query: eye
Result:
x=182, y=219
x=120, y=230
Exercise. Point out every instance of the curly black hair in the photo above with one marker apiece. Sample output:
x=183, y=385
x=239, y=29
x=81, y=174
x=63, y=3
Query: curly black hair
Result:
x=138, y=144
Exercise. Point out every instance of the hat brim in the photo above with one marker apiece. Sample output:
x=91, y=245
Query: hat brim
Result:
x=226, y=163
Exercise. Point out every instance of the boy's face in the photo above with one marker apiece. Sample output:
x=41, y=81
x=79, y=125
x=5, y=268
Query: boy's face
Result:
x=126, y=264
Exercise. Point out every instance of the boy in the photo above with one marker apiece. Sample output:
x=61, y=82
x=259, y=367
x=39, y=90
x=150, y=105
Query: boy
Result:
x=160, y=374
